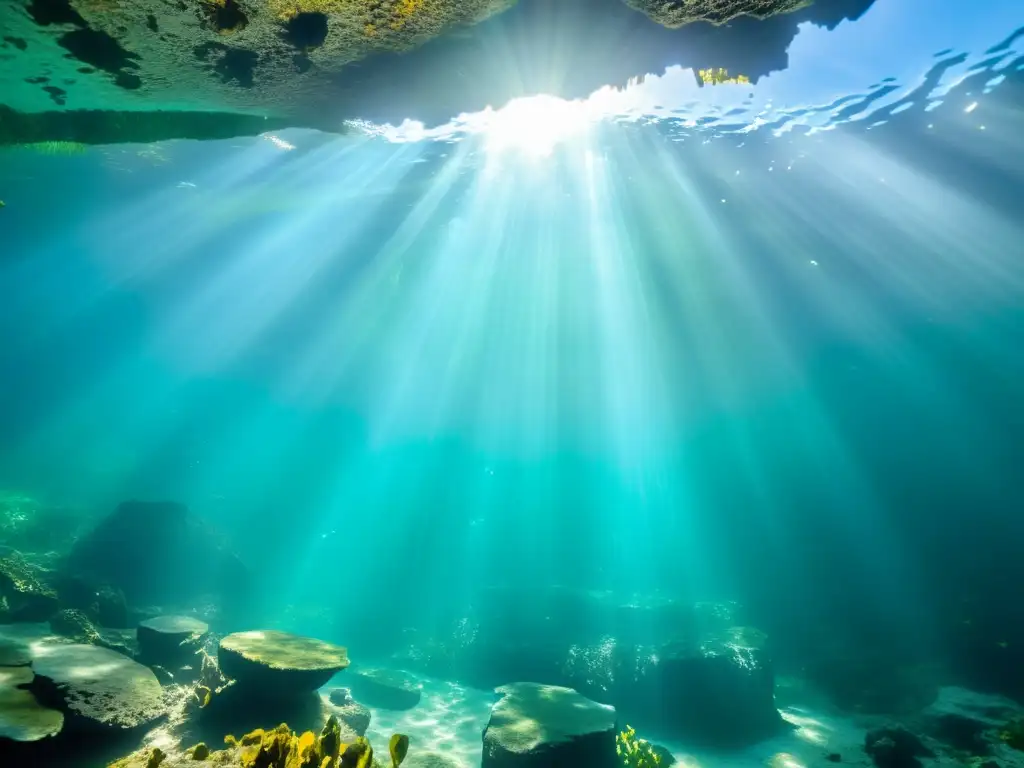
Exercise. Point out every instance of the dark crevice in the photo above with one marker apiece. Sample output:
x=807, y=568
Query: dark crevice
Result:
x=128, y=81
x=224, y=18
x=58, y=95
x=151, y=23
x=306, y=30
x=232, y=64
x=99, y=50
x=17, y=42
x=47, y=12
x=37, y=80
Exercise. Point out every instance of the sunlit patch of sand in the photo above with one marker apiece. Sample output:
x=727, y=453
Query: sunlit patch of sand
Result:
x=450, y=718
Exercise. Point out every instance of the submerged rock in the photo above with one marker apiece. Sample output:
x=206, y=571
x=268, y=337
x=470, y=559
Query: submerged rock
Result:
x=25, y=591
x=682, y=12
x=278, y=662
x=97, y=687
x=160, y=553
x=242, y=67
x=720, y=691
x=22, y=717
x=895, y=747
x=170, y=640
x=349, y=711
x=384, y=688
x=537, y=726
x=74, y=624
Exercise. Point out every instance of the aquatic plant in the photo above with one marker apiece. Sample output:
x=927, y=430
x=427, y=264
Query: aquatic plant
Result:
x=1012, y=734
x=283, y=748
x=635, y=753
x=56, y=148
x=719, y=76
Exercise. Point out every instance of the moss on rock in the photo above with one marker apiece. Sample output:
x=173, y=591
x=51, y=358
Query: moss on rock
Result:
x=25, y=590
x=279, y=662
x=74, y=624
x=97, y=686
x=678, y=13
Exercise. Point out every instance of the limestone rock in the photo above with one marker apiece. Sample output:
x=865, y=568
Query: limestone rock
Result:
x=74, y=624
x=278, y=662
x=718, y=691
x=536, y=726
x=349, y=711
x=384, y=688
x=677, y=13
x=170, y=640
x=22, y=718
x=25, y=590
x=895, y=747
x=251, y=56
x=160, y=553
x=97, y=687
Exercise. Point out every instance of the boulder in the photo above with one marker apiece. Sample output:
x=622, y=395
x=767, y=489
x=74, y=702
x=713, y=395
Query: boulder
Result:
x=279, y=663
x=349, y=711
x=25, y=591
x=102, y=72
x=543, y=726
x=170, y=640
x=895, y=747
x=160, y=553
x=96, y=688
x=74, y=624
x=967, y=721
x=385, y=688
x=718, y=692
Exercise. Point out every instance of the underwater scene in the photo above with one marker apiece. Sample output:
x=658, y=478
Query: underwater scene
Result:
x=511, y=383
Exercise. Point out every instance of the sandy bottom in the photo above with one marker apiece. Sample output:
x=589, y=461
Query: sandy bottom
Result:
x=451, y=718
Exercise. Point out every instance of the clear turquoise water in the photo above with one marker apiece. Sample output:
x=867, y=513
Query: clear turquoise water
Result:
x=758, y=341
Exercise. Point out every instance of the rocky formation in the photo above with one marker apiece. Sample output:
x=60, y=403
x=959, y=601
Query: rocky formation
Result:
x=384, y=688
x=691, y=671
x=97, y=687
x=682, y=12
x=279, y=663
x=25, y=592
x=538, y=726
x=160, y=553
x=895, y=747
x=349, y=711
x=171, y=640
x=75, y=625
x=242, y=67
x=22, y=718
x=719, y=691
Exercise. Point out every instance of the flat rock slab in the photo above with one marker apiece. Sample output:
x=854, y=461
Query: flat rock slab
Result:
x=543, y=726
x=97, y=687
x=385, y=688
x=22, y=718
x=279, y=662
x=169, y=639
